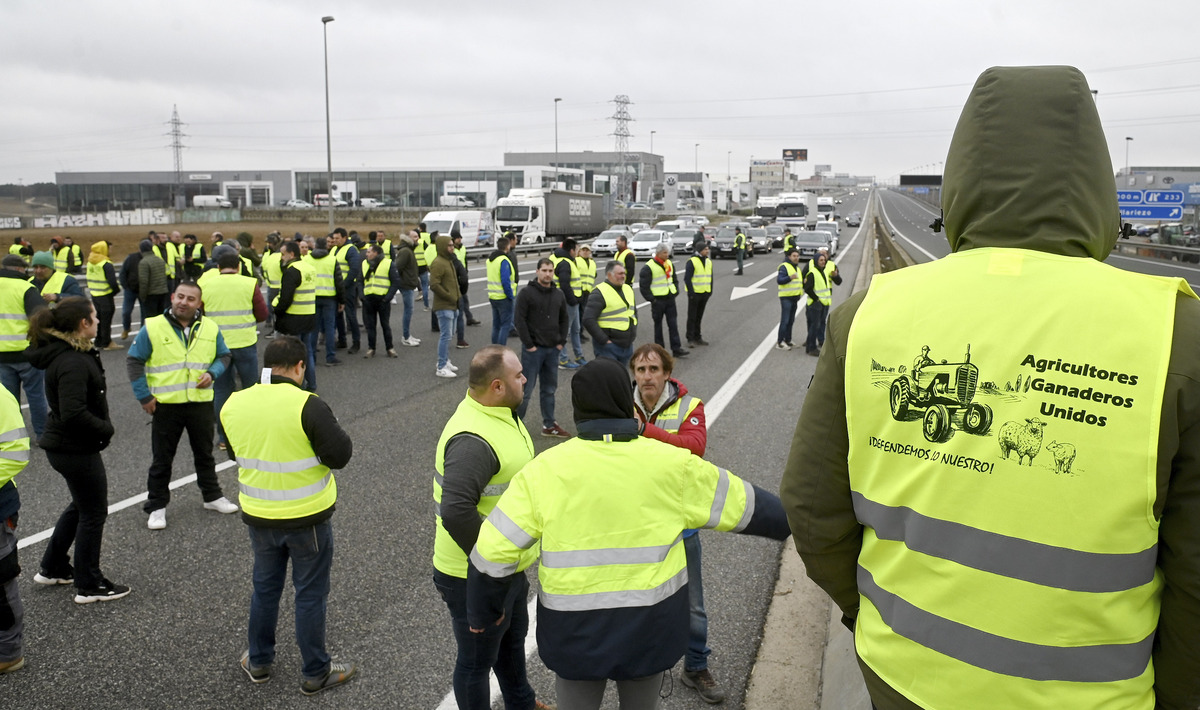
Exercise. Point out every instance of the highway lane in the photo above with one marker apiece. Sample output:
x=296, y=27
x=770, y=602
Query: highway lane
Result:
x=175, y=641
x=910, y=219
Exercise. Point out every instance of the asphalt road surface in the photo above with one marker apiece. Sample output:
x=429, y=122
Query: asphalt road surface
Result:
x=175, y=641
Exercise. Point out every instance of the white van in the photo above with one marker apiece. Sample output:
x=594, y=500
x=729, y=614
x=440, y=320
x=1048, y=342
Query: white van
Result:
x=211, y=201
x=671, y=225
x=456, y=201
x=476, y=226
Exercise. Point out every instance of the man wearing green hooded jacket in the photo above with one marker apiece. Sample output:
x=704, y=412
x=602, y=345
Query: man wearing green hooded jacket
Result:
x=1035, y=548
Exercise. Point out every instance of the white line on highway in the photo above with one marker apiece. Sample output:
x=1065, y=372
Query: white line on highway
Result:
x=128, y=502
x=916, y=246
x=712, y=411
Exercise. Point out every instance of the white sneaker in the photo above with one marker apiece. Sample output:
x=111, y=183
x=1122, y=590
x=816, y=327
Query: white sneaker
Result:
x=446, y=372
x=158, y=519
x=221, y=505
x=451, y=366
x=410, y=341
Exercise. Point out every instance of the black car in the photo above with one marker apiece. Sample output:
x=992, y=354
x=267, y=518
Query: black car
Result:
x=854, y=220
x=683, y=238
x=723, y=244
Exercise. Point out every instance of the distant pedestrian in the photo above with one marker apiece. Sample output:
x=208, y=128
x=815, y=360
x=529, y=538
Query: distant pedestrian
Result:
x=501, y=289
x=153, y=294
x=698, y=282
x=568, y=280
x=272, y=269
x=349, y=264
x=739, y=248
x=791, y=286
x=819, y=280
x=77, y=430
x=443, y=282
x=19, y=301
x=103, y=287
x=587, y=284
x=128, y=279
x=193, y=256
x=627, y=258
x=611, y=317
x=329, y=299
x=235, y=303
x=408, y=270
x=296, y=305
x=421, y=245
x=659, y=285
x=381, y=280
x=541, y=320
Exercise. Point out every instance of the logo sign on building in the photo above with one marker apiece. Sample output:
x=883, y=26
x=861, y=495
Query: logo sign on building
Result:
x=200, y=176
x=795, y=154
x=767, y=163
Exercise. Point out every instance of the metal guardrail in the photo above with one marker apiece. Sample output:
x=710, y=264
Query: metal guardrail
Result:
x=1169, y=252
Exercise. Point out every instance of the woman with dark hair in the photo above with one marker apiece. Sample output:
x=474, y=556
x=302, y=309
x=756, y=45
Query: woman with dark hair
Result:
x=77, y=430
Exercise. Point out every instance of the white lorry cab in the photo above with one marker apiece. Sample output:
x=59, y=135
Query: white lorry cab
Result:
x=475, y=226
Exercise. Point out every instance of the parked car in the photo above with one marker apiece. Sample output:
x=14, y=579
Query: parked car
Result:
x=606, y=243
x=854, y=220
x=298, y=204
x=700, y=220
x=639, y=206
x=760, y=243
x=637, y=227
x=683, y=238
x=645, y=243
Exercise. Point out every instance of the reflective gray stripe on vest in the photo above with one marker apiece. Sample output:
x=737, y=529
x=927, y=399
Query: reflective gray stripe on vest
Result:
x=159, y=369
x=221, y=314
x=614, y=600
x=714, y=515
x=515, y=533
x=22, y=455
x=20, y=336
x=1033, y=562
x=13, y=316
x=672, y=424
x=279, y=466
x=289, y=494
x=748, y=513
x=13, y=435
x=492, y=569
x=1077, y=664
x=236, y=326
x=652, y=554
x=178, y=387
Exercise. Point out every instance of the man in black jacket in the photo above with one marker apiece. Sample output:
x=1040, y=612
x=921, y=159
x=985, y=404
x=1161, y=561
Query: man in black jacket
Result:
x=299, y=325
x=128, y=279
x=613, y=340
x=541, y=320
x=566, y=271
x=659, y=285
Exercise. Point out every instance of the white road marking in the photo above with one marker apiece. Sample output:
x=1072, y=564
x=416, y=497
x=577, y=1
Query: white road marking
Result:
x=916, y=246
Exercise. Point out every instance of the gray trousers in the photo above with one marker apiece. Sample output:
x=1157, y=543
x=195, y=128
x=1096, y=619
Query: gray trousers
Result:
x=639, y=694
x=12, y=613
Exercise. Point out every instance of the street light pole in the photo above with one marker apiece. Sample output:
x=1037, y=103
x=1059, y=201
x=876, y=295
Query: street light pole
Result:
x=556, y=142
x=328, y=133
x=1128, y=140
x=652, y=142
x=697, y=157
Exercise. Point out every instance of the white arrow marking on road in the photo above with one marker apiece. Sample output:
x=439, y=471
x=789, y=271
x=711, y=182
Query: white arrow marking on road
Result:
x=743, y=291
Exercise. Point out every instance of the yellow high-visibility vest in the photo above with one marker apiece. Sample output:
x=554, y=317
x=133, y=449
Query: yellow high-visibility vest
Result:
x=576, y=286
x=587, y=274
x=702, y=273
x=97, y=282
x=795, y=287
x=821, y=285
x=229, y=302
x=618, y=314
x=304, y=300
x=1009, y=547
x=324, y=269
x=272, y=267
x=660, y=281
x=174, y=368
x=419, y=249
x=55, y=284
x=377, y=283
x=14, y=324
x=279, y=474
x=495, y=282
x=14, y=439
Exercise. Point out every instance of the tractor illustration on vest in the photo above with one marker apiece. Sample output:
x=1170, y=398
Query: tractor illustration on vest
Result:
x=943, y=390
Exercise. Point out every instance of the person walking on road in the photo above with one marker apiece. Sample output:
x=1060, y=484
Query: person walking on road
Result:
x=19, y=300
x=739, y=248
x=790, y=283
x=287, y=442
x=1067, y=576
x=626, y=256
x=542, y=322
x=235, y=303
x=296, y=305
x=381, y=279
x=14, y=459
x=78, y=429
x=609, y=508
x=172, y=364
x=409, y=273
x=443, y=282
x=669, y=414
x=819, y=280
x=480, y=449
x=128, y=279
x=103, y=287
x=501, y=290
x=659, y=285
x=567, y=279
x=611, y=317
x=587, y=283
x=698, y=282
x=329, y=299
x=349, y=265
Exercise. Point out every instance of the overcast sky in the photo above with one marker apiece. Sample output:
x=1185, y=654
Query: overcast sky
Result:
x=872, y=88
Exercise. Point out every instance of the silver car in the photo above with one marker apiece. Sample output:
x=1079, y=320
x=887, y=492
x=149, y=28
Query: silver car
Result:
x=645, y=243
x=606, y=243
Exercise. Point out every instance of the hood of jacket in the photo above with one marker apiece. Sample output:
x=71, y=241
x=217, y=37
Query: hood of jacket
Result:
x=404, y=241
x=443, y=245
x=319, y=253
x=1029, y=168
x=44, y=353
x=495, y=253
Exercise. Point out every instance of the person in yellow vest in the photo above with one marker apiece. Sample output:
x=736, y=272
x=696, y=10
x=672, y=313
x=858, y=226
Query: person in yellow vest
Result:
x=21, y=247
x=272, y=269
x=819, y=280
x=75, y=262
x=501, y=290
x=741, y=247
x=460, y=253
x=329, y=298
x=286, y=441
x=169, y=253
x=609, y=508
x=103, y=286
x=172, y=364
x=668, y=413
x=19, y=300
x=430, y=255
x=480, y=449
x=349, y=265
x=659, y=285
x=626, y=256
x=698, y=282
x=610, y=315
x=568, y=280
x=381, y=280
x=422, y=240
x=235, y=304
x=790, y=282
x=1038, y=549
x=193, y=257
x=14, y=460
x=296, y=305
x=789, y=240
x=53, y=284
x=587, y=284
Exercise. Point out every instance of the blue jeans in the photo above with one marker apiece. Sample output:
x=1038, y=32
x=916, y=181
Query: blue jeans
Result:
x=271, y=294
x=500, y=648
x=613, y=351
x=573, y=333
x=816, y=313
x=310, y=367
x=326, y=323
x=408, y=295
x=541, y=363
x=502, y=320
x=311, y=552
x=12, y=612
x=787, y=318
x=445, y=319
x=245, y=362
x=424, y=277
x=128, y=301
x=697, y=650
x=17, y=375
x=348, y=318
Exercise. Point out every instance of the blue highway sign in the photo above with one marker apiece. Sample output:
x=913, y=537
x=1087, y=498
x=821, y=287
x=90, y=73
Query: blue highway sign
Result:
x=1164, y=197
x=1152, y=212
x=1129, y=197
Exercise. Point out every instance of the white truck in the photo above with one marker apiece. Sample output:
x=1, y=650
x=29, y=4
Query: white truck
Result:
x=796, y=210
x=211, y=201
x=536, y=215
x=766, y=207
x=826, y=209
